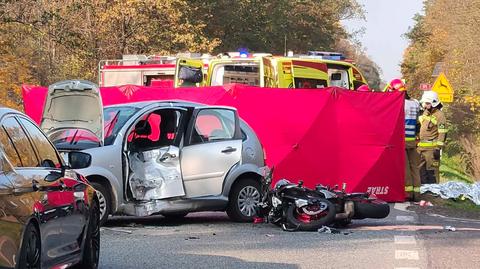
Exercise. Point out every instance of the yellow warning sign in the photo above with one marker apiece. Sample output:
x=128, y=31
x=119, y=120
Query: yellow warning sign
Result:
x=443, y=88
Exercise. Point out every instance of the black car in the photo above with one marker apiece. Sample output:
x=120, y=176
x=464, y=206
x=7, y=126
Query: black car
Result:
x=49, y=214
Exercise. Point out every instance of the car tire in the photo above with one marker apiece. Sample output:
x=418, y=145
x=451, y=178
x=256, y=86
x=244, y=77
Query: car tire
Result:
x=243, y=198
x=91, y=246
x=31, y=251
x=313, y=225
x=104, y=200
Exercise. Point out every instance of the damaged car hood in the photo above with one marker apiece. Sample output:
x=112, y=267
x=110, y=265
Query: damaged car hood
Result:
x=73, y=104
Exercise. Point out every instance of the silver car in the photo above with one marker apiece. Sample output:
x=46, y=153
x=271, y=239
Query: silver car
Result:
x=158, y=157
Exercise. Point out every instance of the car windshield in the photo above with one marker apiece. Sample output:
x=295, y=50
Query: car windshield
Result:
x=73, y=139
x=114, y=118
x=78, y=139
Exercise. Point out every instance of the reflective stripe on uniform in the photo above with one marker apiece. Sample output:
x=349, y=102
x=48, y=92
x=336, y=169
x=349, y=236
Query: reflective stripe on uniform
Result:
x=416, y=189
x=440, y=143
x=410, y=126
x=427, y=144
x=432, y=119
x=408, y=188
x=443, y=131
x=410, y=138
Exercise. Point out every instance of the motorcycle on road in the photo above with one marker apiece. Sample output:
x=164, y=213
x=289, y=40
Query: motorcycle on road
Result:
x=295, y=207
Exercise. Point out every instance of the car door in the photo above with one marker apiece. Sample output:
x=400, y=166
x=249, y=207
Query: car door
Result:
x=36, y=188
x=213, y=146
x=66, y=192
x=153, y=154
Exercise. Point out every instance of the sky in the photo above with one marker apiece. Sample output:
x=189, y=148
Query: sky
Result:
x=386, y=22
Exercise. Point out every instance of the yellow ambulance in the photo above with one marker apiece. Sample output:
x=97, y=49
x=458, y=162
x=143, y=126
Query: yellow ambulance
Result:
x=315, y=70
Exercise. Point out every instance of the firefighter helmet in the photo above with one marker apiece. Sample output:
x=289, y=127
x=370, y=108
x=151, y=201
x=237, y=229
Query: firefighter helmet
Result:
x=396, y=85
x=364, y=88
x=430, y=97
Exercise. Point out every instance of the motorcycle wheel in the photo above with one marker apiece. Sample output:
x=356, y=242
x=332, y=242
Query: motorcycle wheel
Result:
x=374, y=209
x=306, y=218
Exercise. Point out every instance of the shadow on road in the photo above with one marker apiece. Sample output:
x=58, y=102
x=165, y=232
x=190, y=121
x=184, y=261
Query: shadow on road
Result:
x=157, y=220
x=185, y=260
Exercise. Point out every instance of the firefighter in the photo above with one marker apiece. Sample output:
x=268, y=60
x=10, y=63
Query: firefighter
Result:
x=412, y=157
x=433, y=132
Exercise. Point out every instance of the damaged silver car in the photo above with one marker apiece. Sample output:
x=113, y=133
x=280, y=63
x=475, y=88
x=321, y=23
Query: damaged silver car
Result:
x=158, y=157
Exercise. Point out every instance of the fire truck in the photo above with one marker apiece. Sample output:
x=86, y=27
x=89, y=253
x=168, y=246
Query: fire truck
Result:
x=138, y=70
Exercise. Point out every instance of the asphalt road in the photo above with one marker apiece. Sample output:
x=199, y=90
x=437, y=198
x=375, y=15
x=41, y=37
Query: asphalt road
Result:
x=210, y=240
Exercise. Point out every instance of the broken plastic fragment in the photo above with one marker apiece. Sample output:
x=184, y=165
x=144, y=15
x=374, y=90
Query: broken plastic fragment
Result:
x=328, y=230
x=450, y=228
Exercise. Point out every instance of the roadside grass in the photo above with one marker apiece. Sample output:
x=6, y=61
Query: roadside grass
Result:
x=452, y=169
x=449, y=207
x=464, y=204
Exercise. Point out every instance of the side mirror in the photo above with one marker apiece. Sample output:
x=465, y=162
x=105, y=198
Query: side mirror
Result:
x=79, y=160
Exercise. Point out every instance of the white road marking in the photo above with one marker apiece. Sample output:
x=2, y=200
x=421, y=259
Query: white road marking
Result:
x=401, y=206
x=405, y=240
x=405, y=218
x=406, y=255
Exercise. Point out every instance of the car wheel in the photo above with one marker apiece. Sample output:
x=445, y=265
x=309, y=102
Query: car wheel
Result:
x=243, y=200
x=30, y=254
x=91, y=246
x=104, y=201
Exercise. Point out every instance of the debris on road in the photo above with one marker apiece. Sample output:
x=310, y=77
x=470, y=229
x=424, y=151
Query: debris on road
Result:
x=328, y=230
x=424, y=203
x=192, y=238
x=455, y=190
x=269, y=235
x=450, y=228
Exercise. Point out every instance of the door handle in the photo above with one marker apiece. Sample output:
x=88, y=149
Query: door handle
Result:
x=229, y=150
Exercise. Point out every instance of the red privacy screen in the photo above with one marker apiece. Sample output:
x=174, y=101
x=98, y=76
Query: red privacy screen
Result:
x=326, y=136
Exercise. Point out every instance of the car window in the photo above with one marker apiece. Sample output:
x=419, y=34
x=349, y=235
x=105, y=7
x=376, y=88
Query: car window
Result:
x=21, y=143
x=155, y=130
x=9, y=149
x=213, y=125
x=47, y=153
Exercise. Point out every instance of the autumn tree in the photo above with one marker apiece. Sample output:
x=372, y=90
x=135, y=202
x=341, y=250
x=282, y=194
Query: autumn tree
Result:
x=447, y=33
x=369, y=68
x=261, y=25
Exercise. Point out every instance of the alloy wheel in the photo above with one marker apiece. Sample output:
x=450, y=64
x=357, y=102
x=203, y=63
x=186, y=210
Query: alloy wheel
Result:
x=248, y=199
x=102, y=204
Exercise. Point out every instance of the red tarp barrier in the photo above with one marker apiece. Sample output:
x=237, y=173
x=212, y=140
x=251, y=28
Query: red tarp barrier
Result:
x=327, y=136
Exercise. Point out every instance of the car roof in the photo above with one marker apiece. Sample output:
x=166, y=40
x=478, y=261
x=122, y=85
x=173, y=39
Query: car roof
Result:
x=165, y=103
x=6, y=110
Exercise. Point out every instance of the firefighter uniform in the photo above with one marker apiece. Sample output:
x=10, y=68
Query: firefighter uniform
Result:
x=433, y=131
x=412, y=157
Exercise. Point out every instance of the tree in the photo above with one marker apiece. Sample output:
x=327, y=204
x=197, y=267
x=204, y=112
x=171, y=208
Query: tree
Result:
x=448, y=33
x=262, y=26
x=369, y=68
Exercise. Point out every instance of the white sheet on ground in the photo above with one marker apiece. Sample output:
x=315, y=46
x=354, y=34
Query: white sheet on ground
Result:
x=454, y=189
